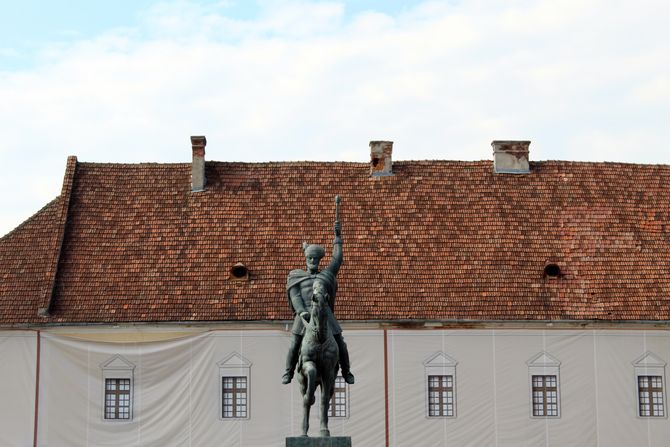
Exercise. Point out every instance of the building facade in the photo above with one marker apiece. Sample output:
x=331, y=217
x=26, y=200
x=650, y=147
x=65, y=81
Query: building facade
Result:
x=484, y=304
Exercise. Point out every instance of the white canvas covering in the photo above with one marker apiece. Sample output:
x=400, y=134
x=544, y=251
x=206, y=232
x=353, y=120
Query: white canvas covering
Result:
x=17, y=387
x=598, y=395
x=176, y=388
x=176, y=392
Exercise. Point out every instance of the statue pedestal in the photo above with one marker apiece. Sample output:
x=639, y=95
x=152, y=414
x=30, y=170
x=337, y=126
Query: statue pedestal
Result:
x=333, y=441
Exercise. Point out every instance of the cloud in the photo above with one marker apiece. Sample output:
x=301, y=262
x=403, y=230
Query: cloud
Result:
x=656, y=90
x=303, y=80
x=187, y=19
x=606, y=146
x=8, y=52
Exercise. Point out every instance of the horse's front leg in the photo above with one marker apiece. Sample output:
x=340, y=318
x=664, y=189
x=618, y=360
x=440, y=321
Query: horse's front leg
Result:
x=327, y=384
x=309, y=370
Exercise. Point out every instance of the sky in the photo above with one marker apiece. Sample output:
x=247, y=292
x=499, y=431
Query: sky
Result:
x=282, y=80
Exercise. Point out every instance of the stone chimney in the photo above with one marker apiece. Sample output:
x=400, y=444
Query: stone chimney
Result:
x=510, y=157
x=198, y=179
x=381, y=162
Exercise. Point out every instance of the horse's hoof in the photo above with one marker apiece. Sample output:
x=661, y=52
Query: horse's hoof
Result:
x=325, y=433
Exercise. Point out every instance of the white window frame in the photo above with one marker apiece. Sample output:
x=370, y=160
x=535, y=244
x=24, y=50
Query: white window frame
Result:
x=439, y=364
x=234, y=365
x=118, y=367
x=649, y=364
x=544, y=364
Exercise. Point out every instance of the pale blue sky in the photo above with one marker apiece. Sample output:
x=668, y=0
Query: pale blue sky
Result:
x=27, y=26
x=130, y=81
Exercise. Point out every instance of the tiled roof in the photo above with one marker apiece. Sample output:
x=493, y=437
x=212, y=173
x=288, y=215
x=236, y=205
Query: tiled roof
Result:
x=439, y=240
x=25, y=264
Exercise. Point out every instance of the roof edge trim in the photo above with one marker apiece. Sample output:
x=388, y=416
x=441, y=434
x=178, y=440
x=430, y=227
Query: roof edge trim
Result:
x=46, y=300
x=371, y=324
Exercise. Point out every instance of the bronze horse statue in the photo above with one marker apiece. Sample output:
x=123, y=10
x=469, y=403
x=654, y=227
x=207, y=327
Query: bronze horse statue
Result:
x=318, y=362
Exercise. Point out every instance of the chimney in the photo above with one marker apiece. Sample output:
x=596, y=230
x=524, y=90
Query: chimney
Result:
x=381, y=163
x=198, y=166
x=510, y=157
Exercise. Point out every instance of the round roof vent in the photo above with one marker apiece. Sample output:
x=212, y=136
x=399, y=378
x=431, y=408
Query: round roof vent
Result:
x=552, y=270
x=239, y=272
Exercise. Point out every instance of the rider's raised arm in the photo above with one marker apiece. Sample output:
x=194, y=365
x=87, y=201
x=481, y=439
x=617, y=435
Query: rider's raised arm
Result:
x=336, y=260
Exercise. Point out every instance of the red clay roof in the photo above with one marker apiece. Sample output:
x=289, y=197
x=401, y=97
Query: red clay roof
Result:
x=26, y=261
x=439, y=240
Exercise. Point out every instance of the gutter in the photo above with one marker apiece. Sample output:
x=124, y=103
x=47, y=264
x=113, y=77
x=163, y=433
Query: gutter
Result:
x=419, y=324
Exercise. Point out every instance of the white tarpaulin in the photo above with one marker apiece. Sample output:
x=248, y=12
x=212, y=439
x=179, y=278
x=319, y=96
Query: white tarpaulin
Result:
x=17, y=387
x=597, y=388
x=176, y=395
x=176, y=392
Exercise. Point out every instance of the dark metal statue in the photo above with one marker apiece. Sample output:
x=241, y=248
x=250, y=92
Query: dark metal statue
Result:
x=300, y=289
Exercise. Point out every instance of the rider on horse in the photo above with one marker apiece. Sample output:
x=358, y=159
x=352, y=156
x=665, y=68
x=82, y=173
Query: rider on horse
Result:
x=299, y=288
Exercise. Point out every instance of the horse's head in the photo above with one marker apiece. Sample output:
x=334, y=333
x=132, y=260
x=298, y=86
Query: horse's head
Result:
x=319, y=314
x=319, y=293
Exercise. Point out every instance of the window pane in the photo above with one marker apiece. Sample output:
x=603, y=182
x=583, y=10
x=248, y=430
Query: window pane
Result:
x=650, y=396
x=545, y=395
x=117, y=399
x=440, y=395
x=234, y=397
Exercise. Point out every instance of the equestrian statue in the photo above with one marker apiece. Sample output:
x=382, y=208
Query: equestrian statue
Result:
x=317, y=347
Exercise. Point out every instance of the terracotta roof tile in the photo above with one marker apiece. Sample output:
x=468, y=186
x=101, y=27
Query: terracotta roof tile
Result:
x=25, y=269
x=438, y=240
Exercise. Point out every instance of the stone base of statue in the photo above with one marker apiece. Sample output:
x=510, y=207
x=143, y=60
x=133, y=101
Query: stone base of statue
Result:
x=333, y=441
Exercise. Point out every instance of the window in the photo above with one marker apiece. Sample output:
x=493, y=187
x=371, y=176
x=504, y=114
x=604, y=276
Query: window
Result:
x=339, y=402
x=117, y=398
x=649, y=379
x=117, y=379
x=545, y=396
x=440, y=378
x=440, y=396
x=544, y=379
x=234, y=392
x=650, y=396
x=234, y=397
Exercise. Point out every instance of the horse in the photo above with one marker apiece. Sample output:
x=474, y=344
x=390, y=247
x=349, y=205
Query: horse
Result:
x=318, y=361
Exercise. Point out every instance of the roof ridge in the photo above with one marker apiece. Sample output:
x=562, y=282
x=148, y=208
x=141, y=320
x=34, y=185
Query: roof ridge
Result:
x=146, y=164
x=139, y=164
x=46, y=300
